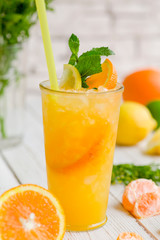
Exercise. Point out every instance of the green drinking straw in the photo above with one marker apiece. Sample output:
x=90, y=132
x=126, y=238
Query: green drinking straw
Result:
x=41, y=9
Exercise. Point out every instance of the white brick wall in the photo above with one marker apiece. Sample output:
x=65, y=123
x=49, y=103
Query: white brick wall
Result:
x=130, y=27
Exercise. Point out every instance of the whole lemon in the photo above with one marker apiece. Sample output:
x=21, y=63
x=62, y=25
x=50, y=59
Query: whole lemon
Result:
x=135, y=123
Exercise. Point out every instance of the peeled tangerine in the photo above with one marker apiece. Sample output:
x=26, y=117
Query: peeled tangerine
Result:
x=147, y=205
x=135, y=123
x=129, y=236
x=142, y=198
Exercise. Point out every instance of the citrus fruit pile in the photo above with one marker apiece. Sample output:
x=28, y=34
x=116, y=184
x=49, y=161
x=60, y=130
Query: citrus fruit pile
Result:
x=143, y=87
x=30, y=212
x=142, y=198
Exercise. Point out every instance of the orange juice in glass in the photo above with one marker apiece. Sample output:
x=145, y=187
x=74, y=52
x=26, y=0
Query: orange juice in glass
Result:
x=80, y=130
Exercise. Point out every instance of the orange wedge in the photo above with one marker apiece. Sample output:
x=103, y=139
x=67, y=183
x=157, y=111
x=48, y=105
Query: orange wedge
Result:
x=30, y=212
x=107, y=78
x=129, y=236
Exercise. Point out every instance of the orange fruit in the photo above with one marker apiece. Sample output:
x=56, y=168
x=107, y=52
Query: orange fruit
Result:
x=107, y=78
x=30, y=212
x=129, y=236
x=136, y=189
x=147, y=205
x=142, y=86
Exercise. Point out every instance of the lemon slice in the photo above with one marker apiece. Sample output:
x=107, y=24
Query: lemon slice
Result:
x=153, y=146
x=71, y=78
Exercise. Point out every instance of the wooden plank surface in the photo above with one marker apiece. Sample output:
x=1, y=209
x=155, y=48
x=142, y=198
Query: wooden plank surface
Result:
x=26, y=164
x=7, y=177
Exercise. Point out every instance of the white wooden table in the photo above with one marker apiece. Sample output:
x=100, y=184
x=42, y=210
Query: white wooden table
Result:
x=26, y=164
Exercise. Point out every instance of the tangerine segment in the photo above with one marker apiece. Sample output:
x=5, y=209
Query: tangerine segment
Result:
x=129, y=236
x=107, y=78
x=147, y=205
x=134, y=190
x=30, y=212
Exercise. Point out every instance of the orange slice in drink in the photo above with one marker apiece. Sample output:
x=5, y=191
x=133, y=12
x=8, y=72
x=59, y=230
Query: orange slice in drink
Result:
x=107, y=78
x=136, y=189
x=147, y=205
x=129, y=236
x=30, y=212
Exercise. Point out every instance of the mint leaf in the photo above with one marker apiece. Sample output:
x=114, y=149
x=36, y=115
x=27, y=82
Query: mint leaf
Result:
x=102, y=51
x=84, y=84
x=73, y=59
x=74, y=44
x=89, y=65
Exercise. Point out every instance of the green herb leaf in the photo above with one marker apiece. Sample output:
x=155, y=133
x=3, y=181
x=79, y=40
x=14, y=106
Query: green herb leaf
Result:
x=102, y=51
x=84, y=84
x=3, y=84
x=125, y=173
x=73, y=59
x=74, y=44
x=89, y=65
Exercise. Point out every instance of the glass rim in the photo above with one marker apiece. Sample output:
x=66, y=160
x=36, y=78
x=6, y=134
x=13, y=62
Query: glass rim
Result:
x=111, y=91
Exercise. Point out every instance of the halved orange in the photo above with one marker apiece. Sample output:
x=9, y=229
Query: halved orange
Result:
x=30, y=212
x=107, y=78
x=129, y=236
x=136, y=189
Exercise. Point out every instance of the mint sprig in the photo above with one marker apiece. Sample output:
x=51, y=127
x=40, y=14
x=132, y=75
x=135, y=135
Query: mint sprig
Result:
x=88, y=63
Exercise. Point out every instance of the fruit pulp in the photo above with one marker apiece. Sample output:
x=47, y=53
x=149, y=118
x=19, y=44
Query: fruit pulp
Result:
x=80, y=133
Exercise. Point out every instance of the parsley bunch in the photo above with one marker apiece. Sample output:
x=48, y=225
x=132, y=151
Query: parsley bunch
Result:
x=16, y=19
x=89, y=62
x=125, y=173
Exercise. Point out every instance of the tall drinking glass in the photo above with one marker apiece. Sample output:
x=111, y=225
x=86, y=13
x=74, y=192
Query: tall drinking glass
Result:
x=80, y=131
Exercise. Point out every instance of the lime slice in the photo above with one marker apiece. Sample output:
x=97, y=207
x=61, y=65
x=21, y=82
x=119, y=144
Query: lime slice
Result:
x=154, y=108
x=71, y=78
